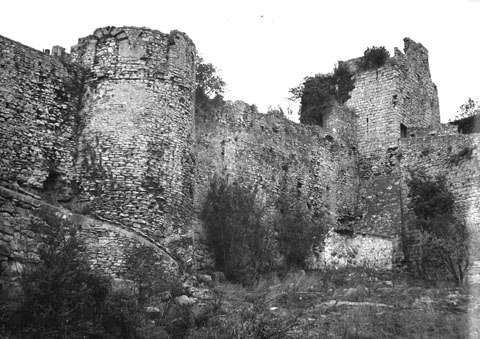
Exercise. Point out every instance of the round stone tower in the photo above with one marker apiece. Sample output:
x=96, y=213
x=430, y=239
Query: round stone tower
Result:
x=135, y=161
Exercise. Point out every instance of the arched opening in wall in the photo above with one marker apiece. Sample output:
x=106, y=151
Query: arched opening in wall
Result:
x=403, y=131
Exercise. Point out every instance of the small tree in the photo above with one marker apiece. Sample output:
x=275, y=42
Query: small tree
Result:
x=444, y=238
x=468, y=117
x=235, y=231
x=297, y=233
x=470, y=108
x=210, y=88
x=208, y=80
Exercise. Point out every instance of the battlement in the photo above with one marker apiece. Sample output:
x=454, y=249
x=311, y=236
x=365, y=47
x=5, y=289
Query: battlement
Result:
x=138, y=54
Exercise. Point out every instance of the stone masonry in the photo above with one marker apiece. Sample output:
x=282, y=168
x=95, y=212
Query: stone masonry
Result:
x=135, y=162
x=107, y=136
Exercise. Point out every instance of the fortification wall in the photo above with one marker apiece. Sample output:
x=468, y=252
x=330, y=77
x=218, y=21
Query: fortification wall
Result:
x=417, y=96
x=278, y=157
x=108, y=245
x=457, y=158
x=135, y=161
x=399, y=93
x=388, y=101
x=371, y=100
x=39, y=98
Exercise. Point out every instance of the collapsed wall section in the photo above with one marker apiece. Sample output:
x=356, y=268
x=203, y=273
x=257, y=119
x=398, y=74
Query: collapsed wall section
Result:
x=135, y=161
x=39, y=98
x=278, y=156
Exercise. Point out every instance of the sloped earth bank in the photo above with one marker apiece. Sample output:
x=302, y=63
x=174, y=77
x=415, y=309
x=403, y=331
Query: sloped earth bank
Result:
x=340, y=304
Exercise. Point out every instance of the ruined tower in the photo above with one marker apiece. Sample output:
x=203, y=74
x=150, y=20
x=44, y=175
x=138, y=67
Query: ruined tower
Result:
x=135, y=163
x=393, y=98
x=389, y=103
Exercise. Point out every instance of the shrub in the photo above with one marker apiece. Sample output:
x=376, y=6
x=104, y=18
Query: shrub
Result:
x=297, y=233
x=374, y=58
x=153, y=287
x=317, y=96
x=149, y=277
x=319, y=93
x=236, y=234
x=444, y=238
x=61, y=296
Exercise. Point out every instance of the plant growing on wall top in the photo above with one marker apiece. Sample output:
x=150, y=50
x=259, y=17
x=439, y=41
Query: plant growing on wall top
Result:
x=468, y=117
x=210, y=87
x=319, y=93
x=374, y=58
x=344, y=83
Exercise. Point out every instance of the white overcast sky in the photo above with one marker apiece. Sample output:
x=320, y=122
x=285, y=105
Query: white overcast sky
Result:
x=263, y=48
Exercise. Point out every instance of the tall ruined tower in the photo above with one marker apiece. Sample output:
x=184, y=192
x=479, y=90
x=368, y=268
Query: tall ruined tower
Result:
x=393, y=98
x=135, y=162
x=389, y=102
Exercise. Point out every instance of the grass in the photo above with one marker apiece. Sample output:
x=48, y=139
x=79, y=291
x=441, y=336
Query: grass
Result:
x=348, y=303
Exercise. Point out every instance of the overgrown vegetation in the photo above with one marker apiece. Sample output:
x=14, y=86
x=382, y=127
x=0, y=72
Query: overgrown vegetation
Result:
x=318, y=94
x=374, y=58
x=210, y=89
x=240, y=241
x=468, y=109
x=344, y=303
x=468, y=117
x=145, y=307
x=443, y=237
x=61, y=297
x=297, y=233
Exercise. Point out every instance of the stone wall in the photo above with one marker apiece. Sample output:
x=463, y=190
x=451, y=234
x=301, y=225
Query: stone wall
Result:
x=400, y=92
x=135, y=162
x=108, y=130
x=456, y=157
x=18, y=241
x=389, y=101
x=417, y=97
x=278, y=157
x=372, y=101
x=39, y=98
x=357, y=250
x=108, y=245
